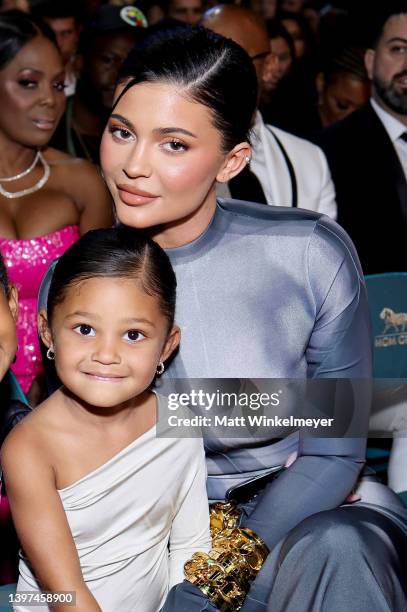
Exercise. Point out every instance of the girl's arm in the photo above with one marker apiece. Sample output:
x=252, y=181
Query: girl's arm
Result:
x=40, y=519
x=190, y=527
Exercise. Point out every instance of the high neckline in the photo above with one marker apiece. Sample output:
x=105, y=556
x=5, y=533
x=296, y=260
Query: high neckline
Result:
x=200, y=243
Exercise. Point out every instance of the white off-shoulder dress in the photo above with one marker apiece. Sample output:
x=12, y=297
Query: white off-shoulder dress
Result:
x=135, y=520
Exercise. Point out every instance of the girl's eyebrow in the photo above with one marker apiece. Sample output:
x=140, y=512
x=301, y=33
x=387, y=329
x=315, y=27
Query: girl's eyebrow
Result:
x=81, y=313
x=163, y=131
x=129, y=321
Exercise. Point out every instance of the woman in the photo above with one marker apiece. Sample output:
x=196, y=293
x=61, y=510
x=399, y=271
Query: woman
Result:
x=278, y=64
x=262, y=293
x=47, y=198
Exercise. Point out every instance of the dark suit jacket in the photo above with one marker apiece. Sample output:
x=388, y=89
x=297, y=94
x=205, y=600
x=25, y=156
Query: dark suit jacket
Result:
x=370, y=189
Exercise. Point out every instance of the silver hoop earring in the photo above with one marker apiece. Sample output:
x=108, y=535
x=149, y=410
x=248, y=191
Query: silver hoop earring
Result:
x=160, y=368
x=50, y=354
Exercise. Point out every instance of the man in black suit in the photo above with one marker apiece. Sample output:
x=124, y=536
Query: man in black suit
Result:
x=367, y=152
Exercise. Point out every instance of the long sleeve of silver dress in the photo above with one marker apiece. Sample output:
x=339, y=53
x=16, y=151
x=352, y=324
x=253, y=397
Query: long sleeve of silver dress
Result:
x=268, y=292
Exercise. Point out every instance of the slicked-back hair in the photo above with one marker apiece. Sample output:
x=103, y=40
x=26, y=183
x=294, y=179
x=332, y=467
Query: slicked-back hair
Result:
x=16, y=30
x=205, y=67
x=119, y=252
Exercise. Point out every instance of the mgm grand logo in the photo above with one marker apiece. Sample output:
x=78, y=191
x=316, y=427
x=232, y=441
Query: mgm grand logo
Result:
x=394, y=330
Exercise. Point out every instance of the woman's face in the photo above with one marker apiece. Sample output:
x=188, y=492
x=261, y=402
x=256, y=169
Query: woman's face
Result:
x=344, y=95
x=32, y=97
x=297, y=35
x=280, y=48
x=161, y=156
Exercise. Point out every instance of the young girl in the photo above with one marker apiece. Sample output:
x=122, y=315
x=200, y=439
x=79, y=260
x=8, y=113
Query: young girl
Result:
x=103, y=507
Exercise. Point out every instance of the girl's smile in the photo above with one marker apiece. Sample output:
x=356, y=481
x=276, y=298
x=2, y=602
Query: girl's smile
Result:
x=108, y=336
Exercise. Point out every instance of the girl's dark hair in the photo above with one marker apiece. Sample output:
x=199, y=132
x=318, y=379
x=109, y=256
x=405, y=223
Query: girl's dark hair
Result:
x=4, y=284
x=16, y=30
x=207, y=68
x=120, y=252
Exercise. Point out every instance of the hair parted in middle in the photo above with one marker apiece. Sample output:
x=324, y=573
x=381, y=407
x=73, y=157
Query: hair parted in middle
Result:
x=205, y=67
x=119, y=252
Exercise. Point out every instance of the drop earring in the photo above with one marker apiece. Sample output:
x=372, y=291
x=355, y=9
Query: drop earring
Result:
x=50, y=354
x=160, y=368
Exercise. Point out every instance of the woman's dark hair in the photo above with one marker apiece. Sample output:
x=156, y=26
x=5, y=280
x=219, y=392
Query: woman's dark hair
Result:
x=16, y=30
x=207, y=68
x=275, y=29
x=303, y=24
x=120, y=252
x=4, y=284
x=350, y=60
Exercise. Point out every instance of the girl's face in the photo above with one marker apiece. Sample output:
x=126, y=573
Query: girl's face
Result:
x=108, y=336
x=32, y=97
x=161, y=156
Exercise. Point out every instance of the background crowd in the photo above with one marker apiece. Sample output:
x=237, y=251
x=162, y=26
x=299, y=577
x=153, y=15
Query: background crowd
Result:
x=329, y=135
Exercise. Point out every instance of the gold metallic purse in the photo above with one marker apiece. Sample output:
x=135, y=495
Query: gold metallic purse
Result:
x=225, y=574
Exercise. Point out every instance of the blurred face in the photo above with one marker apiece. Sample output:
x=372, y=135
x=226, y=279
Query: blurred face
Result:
x=188, y=11
x=345, y=94
x=104, y=62
x=8, y=337
x=21, y=5
x=66, y=33
x=32, y=97
x=297, y=35
x=387, y=66
x=161, y=155
x=292, y=5
x=249, y=35
x=280, y=48
x=269, y=8
x=108, y=336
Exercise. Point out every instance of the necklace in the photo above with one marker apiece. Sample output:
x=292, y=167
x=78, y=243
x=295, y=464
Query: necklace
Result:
x=34, y=188
x=8, y=179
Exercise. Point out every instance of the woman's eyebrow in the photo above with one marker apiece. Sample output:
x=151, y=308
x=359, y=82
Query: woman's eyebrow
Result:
x=171, y=130
x=126, y=122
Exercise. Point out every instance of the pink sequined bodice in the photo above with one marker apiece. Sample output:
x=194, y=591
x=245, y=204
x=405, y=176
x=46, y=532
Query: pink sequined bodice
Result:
x=26, y=262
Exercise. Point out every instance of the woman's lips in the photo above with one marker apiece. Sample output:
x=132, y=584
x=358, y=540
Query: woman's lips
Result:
x=44, y=124
x=134, y=197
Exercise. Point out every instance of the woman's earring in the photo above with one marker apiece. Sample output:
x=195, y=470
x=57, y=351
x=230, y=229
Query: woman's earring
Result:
x=160, y=368
x=50, y=354
x=248, y=159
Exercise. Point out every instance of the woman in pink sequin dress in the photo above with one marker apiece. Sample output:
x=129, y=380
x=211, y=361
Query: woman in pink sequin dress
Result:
x=47, y=198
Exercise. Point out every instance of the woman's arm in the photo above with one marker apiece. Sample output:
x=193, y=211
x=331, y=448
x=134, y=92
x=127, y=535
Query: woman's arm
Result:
x=40, y=519
x=190, y=527
x=339, y=347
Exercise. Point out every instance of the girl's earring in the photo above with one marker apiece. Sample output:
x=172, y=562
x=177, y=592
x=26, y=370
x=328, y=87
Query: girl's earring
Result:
x=50, y=354
x=160, y=368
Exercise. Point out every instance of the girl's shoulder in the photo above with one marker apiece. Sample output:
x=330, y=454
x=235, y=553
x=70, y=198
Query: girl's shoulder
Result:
x=32, y=435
